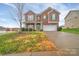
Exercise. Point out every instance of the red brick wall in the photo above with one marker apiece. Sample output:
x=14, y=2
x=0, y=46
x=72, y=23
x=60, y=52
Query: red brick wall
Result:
x=45, y=21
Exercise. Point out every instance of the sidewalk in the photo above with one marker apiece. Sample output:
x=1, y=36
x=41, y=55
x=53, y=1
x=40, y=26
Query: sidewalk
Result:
x=66, y=52
x=46, y=53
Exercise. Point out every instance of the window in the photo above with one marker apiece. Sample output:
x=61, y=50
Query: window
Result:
x=44, y=17
x=75, y=17
x=53, y=17
x=30, y=17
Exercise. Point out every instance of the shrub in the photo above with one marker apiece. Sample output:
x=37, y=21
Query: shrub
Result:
x=26, y=29
x=23, y=29
x=41, y=30
x=59, y=28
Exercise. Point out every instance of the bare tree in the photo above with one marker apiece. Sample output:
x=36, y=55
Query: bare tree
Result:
x=18, y=11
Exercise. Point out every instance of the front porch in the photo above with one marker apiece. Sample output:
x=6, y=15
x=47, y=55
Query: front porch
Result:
x=34, y=26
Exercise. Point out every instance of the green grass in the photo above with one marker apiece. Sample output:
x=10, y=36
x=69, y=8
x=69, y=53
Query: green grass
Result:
x=9, y=45
x=6, y=36
x=6, y=46
x=73, y=30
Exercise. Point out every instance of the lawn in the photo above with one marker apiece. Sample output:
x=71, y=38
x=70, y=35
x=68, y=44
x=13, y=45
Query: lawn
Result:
x=25, y=42
x=73, y=30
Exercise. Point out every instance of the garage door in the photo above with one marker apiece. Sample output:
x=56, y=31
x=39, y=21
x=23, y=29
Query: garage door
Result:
x=49, y=27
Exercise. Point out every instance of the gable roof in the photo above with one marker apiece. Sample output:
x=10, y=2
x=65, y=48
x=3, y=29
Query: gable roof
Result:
x=71, y=12
x=29, y=12
x=49, y=9
x=46, y=10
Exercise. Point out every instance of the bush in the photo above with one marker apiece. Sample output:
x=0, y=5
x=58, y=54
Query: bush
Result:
x=59, y=28
x=30, y=29
x=41, y=30
x=26, y=29
x=23, y=29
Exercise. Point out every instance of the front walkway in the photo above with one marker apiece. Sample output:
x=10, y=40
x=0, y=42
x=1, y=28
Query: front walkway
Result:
x=65, y=41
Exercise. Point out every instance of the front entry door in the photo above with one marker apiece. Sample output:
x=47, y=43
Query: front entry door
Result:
x=38, y=26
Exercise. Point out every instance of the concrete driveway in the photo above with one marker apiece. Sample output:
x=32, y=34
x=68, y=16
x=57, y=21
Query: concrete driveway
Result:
x=66, y=41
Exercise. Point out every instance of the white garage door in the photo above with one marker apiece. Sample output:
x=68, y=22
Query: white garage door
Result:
x=49, y=27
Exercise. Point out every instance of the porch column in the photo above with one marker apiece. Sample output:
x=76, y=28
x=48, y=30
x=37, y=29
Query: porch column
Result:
x=26, y=26
x=35, y=22
x=41, y=26
x=35, y=26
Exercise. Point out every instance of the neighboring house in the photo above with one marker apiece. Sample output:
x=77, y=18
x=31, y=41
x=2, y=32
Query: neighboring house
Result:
x=48, y=20
x=2, y=28
x=12, y=29
x=72, y=19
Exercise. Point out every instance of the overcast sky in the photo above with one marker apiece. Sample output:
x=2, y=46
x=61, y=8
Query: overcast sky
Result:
x=6, y=20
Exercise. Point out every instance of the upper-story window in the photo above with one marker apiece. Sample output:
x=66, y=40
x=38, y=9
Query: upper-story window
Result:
x=53, y=17
x=30, y=17
x=75, y=17
x=44, y=17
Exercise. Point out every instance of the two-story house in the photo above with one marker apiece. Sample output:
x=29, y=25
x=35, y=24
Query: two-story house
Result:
x=48, y=20
x=72, y=19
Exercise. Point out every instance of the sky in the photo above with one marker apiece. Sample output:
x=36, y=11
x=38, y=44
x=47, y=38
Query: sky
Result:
x=8, y=10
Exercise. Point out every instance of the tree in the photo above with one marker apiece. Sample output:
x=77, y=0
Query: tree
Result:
x=18, y=11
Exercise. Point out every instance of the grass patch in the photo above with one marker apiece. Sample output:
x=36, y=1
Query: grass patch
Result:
x=73, y=30
x=25, y=42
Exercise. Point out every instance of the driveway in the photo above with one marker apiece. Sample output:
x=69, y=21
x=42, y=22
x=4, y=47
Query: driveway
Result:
x=66, y=41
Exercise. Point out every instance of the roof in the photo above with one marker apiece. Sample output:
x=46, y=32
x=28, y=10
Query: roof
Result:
x=49, y=8
x=29, y=12
x=71, y=12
